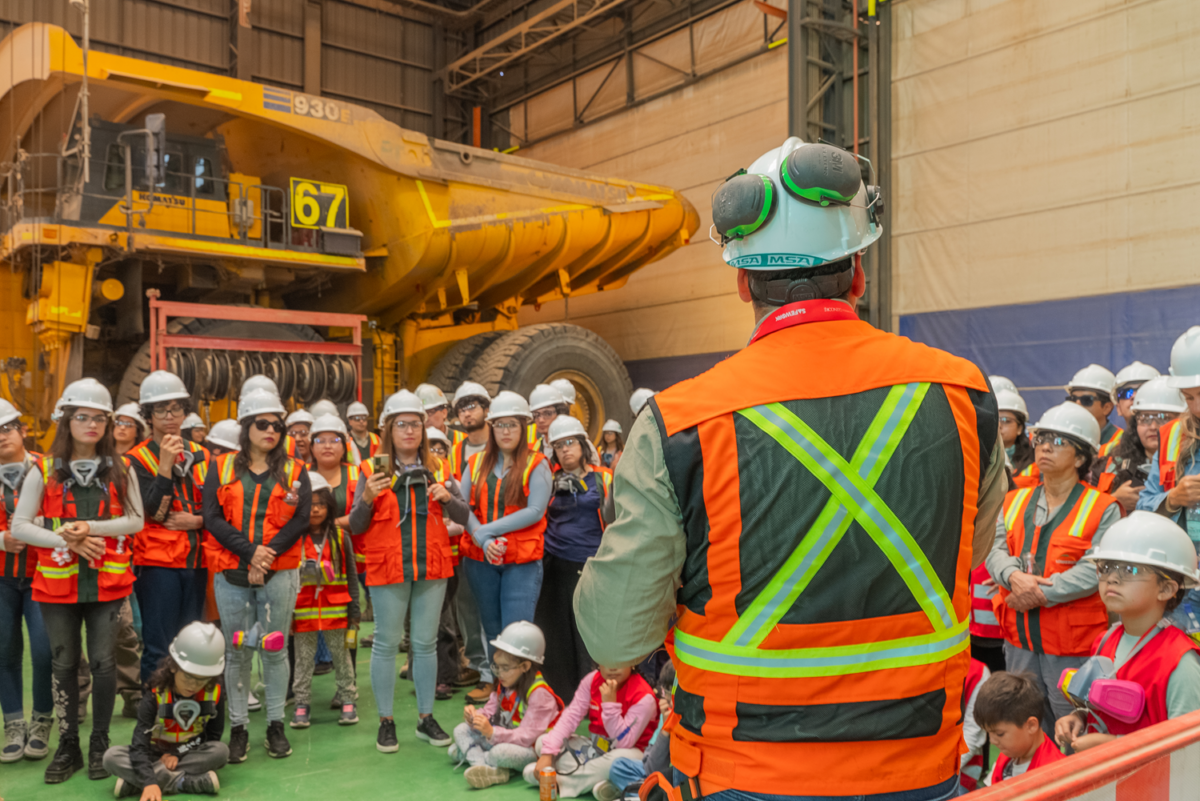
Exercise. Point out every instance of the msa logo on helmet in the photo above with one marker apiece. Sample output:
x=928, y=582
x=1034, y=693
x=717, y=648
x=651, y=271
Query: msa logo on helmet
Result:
x=776, y=260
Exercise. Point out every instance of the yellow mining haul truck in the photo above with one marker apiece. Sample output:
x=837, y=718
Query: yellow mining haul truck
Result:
x=126, y=178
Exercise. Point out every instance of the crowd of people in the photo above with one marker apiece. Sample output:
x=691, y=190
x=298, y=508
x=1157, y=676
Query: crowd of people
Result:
x=266, y=537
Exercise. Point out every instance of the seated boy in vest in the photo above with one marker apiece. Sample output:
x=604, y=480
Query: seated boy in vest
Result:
x=177, y=744
x=1145, y=571
x=1009, y=707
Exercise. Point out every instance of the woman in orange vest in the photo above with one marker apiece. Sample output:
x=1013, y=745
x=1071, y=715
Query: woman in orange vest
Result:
x=508, y=488
x=575, y=520
x=89, y=504
x=256, y=508
x=399, y=509
x=1013, y=416
x=1047, y=605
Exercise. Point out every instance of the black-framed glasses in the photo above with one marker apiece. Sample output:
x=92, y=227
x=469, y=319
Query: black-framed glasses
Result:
x=408, y=425
x=9, y=428
x=270, y=425
x=1126, y=393
x=544, y=415
x=173, y=410
x=1048, y=438
x=1154, y=418
x=563, y=444
x=467, y=406
x=90, y=419
x=1123, y=571
x=1086, y=401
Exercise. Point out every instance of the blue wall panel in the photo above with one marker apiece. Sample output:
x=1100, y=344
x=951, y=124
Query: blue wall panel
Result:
x=1041, y=345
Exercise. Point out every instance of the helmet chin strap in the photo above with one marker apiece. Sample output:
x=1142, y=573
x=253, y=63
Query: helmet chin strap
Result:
x=782, y=291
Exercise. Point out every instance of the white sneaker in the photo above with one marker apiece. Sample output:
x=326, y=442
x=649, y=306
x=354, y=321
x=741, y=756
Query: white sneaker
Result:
x=606, y=791
x=481, y=776
x=252, y=703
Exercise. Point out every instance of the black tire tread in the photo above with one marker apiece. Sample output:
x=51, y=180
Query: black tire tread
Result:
x=456, y=365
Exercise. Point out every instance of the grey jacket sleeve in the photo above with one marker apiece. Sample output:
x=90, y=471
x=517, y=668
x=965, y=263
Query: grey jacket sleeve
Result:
x=1080, y=581
x=992, y=489
x=129, y=523
x=361, y=511
x=1000, y=563
x=28, y=503
x=456, y=509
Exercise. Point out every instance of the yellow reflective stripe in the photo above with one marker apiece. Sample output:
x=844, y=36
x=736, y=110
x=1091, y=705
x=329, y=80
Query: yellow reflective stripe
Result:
x=1017, y=508
x=147, y=458
x=528, y=470
x=1173, y=441
x=114, y=567
x=1086, y=504
x=58, y=572
x=227, y=469
x=310, y=613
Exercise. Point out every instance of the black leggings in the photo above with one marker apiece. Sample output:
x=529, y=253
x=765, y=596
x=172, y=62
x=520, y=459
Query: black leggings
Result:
x=567, y=659
x=63, y=624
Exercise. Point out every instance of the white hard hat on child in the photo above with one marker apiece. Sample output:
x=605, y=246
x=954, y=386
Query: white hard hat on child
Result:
x=403, y=402
x=1093, y=377
x=199, y=649
x=523, y=640
x=469, y=389
x=1157, y=395
x=509, y=404
x=1074, y=421
x=8, y=412
x=318, y=481
x=191, y=421
x=259, y=401
x=322, y=407
x=160, y=386
x=1134, y=373
x=565, y=388
x=258, y=382
x=328, y=422
x=357, y=409
x=432, y=433
x=999, y=382
x=300, y=416
x=225, y=433
x=639, y=399
x=612, y=425
x=1146, y=538
x=1009, y=401
x=565, y=426
x=86, y=393
x=1185, y=360
x=432, y=397
x=543, y=397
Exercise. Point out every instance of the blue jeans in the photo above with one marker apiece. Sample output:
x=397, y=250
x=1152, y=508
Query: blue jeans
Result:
x=16, y=600
x=391, y=601
x=241, y=607
x=504, y=594
x=169, y=598
x=939, y=792
x=625, y=771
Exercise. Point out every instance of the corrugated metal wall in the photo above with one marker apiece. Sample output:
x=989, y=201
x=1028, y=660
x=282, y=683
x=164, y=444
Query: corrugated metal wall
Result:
x=369, y=57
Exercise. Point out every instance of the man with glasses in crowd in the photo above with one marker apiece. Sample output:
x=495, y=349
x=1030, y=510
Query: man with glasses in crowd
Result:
x=546, y=403
x=364, y=440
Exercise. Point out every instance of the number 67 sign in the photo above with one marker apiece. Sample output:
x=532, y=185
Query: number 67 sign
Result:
x=318, y=205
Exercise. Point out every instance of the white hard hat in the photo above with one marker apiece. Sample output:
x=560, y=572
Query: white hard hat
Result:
x=432, y=433
x=130, y=409
x=162, y=385
x=999, y=382
x=1093, y=377
x=523, y=640
x=259, y=401
x=1010, y=401
x=402, y=401
x=1185, y=359
x=86, y=393
x=225, y=433
x=564, y=427
x=565, y=388
x=509, y=404
x=258, y=382
x=328, y=422
x=323, y=406
x=543, y=397
x=1074, y=421
x=432, y=397
x=199, y=649
x=357, y=409
x=639, y=399
x=612, y=425
x=318, y=481
x=469, y=389
x=300, y=416
x=798, y=205
x=1133, y=373
x=1157, y=395
x=1146, y=538
x=8, y=412
x=191, y=421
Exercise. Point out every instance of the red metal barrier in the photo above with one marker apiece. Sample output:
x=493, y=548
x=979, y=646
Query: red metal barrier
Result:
x=1161, y=763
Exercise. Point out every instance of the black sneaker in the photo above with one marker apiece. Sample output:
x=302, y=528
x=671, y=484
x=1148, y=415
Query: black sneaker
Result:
x=336, y=702
x=443, y=692
x=429, y=731
x=239, y=742
x=203, y=784
x=124, y=789
x=97, y=745
x=277, y=742
x=386, y=741
x=67, y=759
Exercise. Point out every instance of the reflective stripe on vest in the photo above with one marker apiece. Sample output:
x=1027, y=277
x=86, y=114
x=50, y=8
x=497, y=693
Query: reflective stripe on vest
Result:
x=854, y=500
x=1111, y=445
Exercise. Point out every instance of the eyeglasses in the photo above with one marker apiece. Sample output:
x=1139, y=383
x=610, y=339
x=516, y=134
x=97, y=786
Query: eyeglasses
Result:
x=87, y=419
x=174, y=410
x=269, y=425
x=1006, y=420
x=563, y=444
x=1086, y=401
x=506, y=426
x=9, y=428
x=1126, y=393
x=467, y=406
x=125, y=424
x=500, y=669
x=439, y=449
x=1154, y=418
x=194, y=678
x=358, y=418
x=1123, y=571
x=1053, y=440
x=327, y=441
x=407, y=425
x=544, y=415
x=299, y=432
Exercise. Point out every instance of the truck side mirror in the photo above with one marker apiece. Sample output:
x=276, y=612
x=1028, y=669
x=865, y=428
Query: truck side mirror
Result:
x=156, y=149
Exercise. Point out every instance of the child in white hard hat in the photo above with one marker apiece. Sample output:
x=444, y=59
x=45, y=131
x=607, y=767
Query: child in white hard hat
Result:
x=177, y=744
x=1145, y=564
x=499, y=739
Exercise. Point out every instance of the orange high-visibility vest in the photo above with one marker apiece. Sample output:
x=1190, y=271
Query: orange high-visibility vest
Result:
x=1063, y=629
x=156, y=544
x=322, y=607
x=1170, y=440
x=1111, y=445
x=487, y=495
x=23, y=564
x=1029, y=477
x=828, y=477
x=268, y=513
x=411, y=543
x=983, y=616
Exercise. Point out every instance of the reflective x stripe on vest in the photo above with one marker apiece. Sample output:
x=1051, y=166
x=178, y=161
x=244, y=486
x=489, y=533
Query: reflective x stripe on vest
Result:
x=854, y=500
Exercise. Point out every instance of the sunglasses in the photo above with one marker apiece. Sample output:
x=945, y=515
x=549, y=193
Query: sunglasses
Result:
x=1126, y=393
x=270, y=425
x=1086, y=401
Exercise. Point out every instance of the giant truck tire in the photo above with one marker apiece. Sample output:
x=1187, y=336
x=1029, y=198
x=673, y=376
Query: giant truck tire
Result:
x=455, y=367
x=537, y=354
x=139, y=366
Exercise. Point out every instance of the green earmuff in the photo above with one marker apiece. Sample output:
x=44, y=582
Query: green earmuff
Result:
x=742, y=205
x=821, y=174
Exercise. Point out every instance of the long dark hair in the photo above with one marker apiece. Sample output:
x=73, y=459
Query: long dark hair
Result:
x=514, y=492
x=276, y=457
x=328, y=530
x=602, y=446
x=424, y=455
x=1022, y=455
x=1130, y=450
x=163, y=677
x=106, y=449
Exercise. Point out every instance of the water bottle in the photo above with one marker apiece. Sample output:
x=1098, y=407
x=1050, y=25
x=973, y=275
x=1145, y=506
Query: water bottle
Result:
x=293, y=495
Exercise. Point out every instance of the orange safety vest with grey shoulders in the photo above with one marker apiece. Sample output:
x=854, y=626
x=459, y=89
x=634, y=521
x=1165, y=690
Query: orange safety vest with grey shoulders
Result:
x=156, y=544
x=258, y=510
x=487, y=497
x=23, y=564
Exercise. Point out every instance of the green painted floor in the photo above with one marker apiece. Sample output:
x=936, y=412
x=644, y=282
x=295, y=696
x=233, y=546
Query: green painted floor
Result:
x=328, y=762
